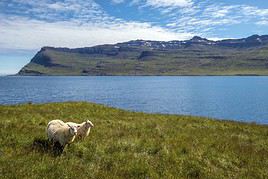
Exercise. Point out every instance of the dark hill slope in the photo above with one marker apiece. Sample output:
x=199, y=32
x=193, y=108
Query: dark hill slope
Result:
x=198, y=56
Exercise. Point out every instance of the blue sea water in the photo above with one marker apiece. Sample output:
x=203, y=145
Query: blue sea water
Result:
x=234, y=98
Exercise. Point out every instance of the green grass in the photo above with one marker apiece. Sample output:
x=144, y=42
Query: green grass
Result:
x=125, y=144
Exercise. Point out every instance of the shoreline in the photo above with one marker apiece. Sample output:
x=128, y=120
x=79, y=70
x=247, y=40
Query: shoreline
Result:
x=134, y=112
x=193, y=75
x=238, y=75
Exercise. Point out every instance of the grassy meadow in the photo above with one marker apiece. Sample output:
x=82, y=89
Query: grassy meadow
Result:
x=127, y=144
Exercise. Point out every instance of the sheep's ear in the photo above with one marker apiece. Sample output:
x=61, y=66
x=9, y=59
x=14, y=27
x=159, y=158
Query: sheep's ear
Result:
x=69, y=125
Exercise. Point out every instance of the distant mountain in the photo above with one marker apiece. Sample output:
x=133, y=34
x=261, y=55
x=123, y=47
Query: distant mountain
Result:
x=197, y=56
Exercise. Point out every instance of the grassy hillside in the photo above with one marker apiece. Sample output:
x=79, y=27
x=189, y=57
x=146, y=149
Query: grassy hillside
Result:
x=124, y=59
x=130, y=145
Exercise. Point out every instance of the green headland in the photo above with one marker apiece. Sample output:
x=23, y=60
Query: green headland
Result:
x=197, y=56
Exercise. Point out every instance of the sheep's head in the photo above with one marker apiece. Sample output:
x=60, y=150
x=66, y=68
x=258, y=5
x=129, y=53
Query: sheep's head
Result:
x=72, y=130
x=89, y=124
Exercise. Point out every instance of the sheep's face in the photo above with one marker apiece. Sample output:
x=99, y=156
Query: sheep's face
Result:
x=89, y=124
x=73, y=130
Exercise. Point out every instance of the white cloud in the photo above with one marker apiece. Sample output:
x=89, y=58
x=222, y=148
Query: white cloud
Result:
x=55, y=11
x=262, y=22
x=34, y=34
x=117, y=1
x=169, y=3
x=163, y=5
x=254, y=11
x=84, y=24
x=56, y=6
x=207, y=18
x=220, y=11
x=76, y=23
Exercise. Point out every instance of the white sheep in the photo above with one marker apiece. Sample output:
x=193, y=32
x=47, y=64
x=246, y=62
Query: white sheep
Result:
x=58, y=131
x=83, y=129
x=53, y=126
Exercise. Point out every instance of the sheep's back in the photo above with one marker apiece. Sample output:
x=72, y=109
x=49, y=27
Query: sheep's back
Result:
x=83, y=131
x=53, y=127
x=72, y=124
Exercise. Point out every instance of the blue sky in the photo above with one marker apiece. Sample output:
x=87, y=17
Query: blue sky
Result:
x=26, y=26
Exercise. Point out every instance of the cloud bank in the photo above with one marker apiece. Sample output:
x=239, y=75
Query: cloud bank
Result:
x=32, y=24
x=34, y=34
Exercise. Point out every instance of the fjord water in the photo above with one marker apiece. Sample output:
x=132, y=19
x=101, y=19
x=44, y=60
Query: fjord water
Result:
x=235, y=98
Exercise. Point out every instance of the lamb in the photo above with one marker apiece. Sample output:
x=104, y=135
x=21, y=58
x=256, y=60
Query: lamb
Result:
x=83, y=129
x=58, y=131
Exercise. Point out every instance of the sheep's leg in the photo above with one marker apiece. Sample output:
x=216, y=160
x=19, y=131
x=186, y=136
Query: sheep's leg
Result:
x=57, y=148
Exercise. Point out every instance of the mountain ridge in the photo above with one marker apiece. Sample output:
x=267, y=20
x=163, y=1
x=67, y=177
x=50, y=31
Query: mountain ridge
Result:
x=197, y=56
x=258, y=39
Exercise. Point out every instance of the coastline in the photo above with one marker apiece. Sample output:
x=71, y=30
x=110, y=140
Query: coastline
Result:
x=137, y=112
x=147, y=75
